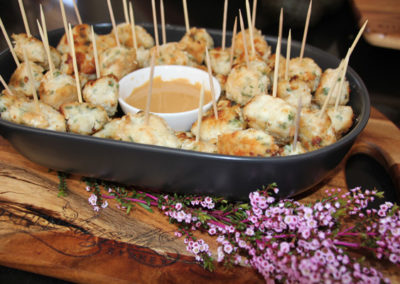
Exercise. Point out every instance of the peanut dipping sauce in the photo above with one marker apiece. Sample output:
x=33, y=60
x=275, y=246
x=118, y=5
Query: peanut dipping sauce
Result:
x=177, y=95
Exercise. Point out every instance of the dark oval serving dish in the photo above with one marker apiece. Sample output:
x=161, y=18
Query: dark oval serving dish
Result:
x=181, y=171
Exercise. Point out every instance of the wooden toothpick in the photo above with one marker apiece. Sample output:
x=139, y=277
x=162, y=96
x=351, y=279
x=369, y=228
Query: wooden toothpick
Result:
x=21, y=7
x=153, y=6
x=75, y=65
x=64, y=18
x=31, y=79
x=6, y=86
x=200, y=112
x=214, y=102
x=303, y=43
x=47, y=49
x=147, y=111
x=185, y=12
x=95, y=54
x=233, y=43
x=297, y=124
x=224, y=24
x=246, y=54
x=288, y=47
x=10, y=46
x=250, y=27
x=110, y=9
x=126, y=15
x=78, y=15
x=331, y=90
x=254, y=13
x=277, y=56
x=132, y=19
x=164, y=34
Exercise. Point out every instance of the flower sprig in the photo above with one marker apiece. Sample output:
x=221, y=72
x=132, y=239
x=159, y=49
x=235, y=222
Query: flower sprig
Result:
x=283, y=239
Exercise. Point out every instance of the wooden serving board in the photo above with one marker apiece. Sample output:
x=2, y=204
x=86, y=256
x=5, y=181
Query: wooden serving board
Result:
x=63, y=237
x=383, y=17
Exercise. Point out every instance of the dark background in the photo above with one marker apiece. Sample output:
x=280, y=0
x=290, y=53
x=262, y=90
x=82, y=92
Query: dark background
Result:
x=333, y=28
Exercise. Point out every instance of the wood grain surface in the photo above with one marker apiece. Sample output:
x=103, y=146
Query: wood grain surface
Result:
x=383, y=21
x=63, y=237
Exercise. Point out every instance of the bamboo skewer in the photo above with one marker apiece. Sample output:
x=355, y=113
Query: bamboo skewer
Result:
x=76, y=72
x=47, y=49
x=297, y=124
x=303, y=43
x=132, y=19
x=164, y=34
x=21, y=7
x=146, y=113
x=288, y=48
x=95, y=54
x=110, y=9
x=78, y=15
x=351, y=49
x=6, y=86
x=45, y=40
x=126, y=15
x=200, y=112
x=332, y=88
x=214, y=102
x=233, y=42
x=31, y=80
x=185, y=12
x=253, y=23
x=224, y=24
x=10, y=46
x=246, y=54
x=250, y=27
x=153, y=6
x=277, y=55
x=64, y=18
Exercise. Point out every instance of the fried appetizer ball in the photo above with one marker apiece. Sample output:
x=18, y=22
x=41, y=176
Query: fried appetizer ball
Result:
x=220, y=61
x=6, y=101
x=118, y=61
x=143, y=38
x=35, y=50
x=104, y=42
x=82, y=39
x=103, y=92
x=19, y=81
x=271, y=67
x=84, y=118
x=315, y=132
x=290, y=91
x=244, y=83
x=188, y=141
x=272, y=115
x=84, y=62
x=143, y=57
x=342, y=119
x=326, y=83
x=260, y=44
x=222, y=81
x=57, y=89
x=132, y=128
x=249, y=142
x=230, y=119
x=195, y=42
x=306, y=70
x=26, y=112
x=288, y=150
x=171, y=54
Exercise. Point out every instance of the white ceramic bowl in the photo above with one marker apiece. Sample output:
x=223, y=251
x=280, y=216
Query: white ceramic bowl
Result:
x=179, y=121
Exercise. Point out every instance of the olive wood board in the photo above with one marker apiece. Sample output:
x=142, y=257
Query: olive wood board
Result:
x=383, y=17
x=63, y=237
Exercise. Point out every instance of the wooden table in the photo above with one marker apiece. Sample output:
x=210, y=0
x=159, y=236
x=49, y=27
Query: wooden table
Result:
x=63, y=237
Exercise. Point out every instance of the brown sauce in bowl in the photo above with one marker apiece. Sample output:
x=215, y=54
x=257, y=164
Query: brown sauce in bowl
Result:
x=177, y=95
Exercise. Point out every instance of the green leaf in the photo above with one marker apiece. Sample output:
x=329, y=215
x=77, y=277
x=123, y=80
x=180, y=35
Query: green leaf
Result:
x=146, y=207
